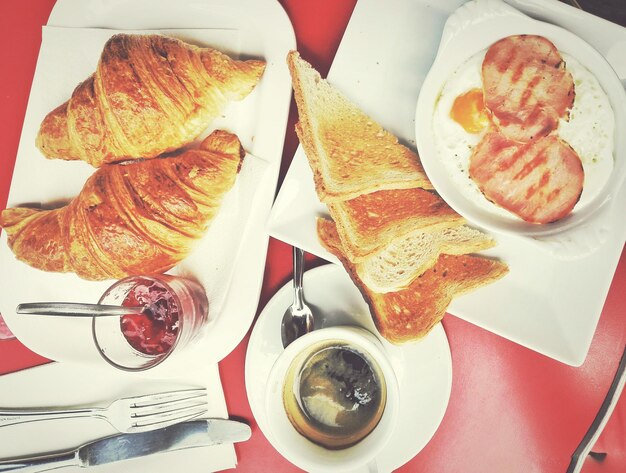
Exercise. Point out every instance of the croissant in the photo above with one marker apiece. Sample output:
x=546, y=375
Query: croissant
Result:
x=138, y=217
x=149, y=94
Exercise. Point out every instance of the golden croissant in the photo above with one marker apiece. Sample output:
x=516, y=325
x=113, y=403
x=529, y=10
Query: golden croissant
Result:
x=139, y=217
x=150, y=94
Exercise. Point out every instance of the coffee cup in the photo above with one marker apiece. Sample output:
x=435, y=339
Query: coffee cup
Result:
x=332, y=399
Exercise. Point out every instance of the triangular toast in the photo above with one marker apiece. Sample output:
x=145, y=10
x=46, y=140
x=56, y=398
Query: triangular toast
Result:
x=372, y=221
x=350, y=154
x=409, y=314
x=397, y=265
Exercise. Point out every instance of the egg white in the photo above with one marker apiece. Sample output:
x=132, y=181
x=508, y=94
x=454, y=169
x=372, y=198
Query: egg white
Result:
x=589, y=131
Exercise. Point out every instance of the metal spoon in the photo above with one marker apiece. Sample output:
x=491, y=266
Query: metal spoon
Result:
x=298, y=318
x=76, y=309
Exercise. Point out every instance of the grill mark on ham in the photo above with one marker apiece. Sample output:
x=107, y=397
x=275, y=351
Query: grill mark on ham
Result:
x=504, y=61
x=520, y=67
x=528, y=93
x=553, y=195
x=530, y=165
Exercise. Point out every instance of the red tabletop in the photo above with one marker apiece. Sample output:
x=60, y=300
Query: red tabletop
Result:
x=511, y=409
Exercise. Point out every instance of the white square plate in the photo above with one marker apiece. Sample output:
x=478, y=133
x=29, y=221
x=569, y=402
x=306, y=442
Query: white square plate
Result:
x=547, y=304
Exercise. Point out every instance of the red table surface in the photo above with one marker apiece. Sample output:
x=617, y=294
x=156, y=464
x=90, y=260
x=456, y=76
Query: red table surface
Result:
x=511, y=409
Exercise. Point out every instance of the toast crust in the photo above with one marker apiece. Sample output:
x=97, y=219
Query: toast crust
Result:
x=350, y=154
x=370, y=222
x=411, y=313
x=398, y=264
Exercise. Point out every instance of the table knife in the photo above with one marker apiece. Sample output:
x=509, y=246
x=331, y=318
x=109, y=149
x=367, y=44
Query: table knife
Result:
x=196, y=433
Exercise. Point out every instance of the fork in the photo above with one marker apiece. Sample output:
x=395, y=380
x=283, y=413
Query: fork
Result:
x=127, y=415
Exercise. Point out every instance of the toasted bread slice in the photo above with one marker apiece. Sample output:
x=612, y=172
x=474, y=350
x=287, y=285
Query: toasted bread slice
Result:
x=350, y=154
x=411, y=313
x=399, y=264
x=370, y=222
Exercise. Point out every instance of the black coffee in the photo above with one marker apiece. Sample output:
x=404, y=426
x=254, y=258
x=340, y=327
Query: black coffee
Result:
x=336, y=397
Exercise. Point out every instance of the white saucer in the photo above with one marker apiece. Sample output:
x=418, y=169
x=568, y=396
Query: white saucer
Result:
x=424, y=368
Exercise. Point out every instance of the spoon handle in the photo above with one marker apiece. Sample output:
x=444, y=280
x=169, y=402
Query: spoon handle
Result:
x=298, y=270
x=75, y=309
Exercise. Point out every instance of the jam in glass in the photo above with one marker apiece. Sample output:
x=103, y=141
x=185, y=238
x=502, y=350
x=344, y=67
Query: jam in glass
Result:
x=154, y=331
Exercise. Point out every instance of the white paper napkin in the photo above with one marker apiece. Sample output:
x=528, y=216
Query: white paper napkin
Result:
x=212, y=259
x=70, y=384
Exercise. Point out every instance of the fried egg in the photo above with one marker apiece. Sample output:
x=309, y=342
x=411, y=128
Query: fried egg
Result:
x=460, y=121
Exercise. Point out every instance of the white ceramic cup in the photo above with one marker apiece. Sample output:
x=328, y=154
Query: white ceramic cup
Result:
x=300, y=450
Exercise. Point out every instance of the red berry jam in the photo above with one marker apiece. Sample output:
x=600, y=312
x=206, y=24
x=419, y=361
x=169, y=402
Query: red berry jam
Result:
x=154, y=331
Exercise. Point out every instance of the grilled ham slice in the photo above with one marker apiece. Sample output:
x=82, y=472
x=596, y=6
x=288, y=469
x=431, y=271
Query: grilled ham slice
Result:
x=539, y=181
x=526, y=86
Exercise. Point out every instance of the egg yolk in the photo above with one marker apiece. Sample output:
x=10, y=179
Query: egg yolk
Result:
x=468, y=111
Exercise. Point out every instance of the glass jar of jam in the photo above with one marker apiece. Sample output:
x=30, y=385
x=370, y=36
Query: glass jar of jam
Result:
x=175, y=310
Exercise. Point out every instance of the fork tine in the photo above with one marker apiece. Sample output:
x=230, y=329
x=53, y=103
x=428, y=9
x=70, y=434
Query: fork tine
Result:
x=149, y=422
x=165, y=408
x=166, y=397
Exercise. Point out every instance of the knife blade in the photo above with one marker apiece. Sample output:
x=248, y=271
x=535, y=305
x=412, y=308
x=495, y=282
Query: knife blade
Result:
x=191, y=434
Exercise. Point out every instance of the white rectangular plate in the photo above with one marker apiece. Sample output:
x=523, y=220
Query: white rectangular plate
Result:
x=549, y=305
x=231, y=265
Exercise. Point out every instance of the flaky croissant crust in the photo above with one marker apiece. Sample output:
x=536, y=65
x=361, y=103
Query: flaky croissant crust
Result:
x=140, y=217
x=150, y=94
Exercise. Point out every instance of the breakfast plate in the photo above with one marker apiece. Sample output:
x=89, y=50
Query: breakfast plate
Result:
x=234, y=267
x=423, y=368
x=547, y=303
x=598, y=112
